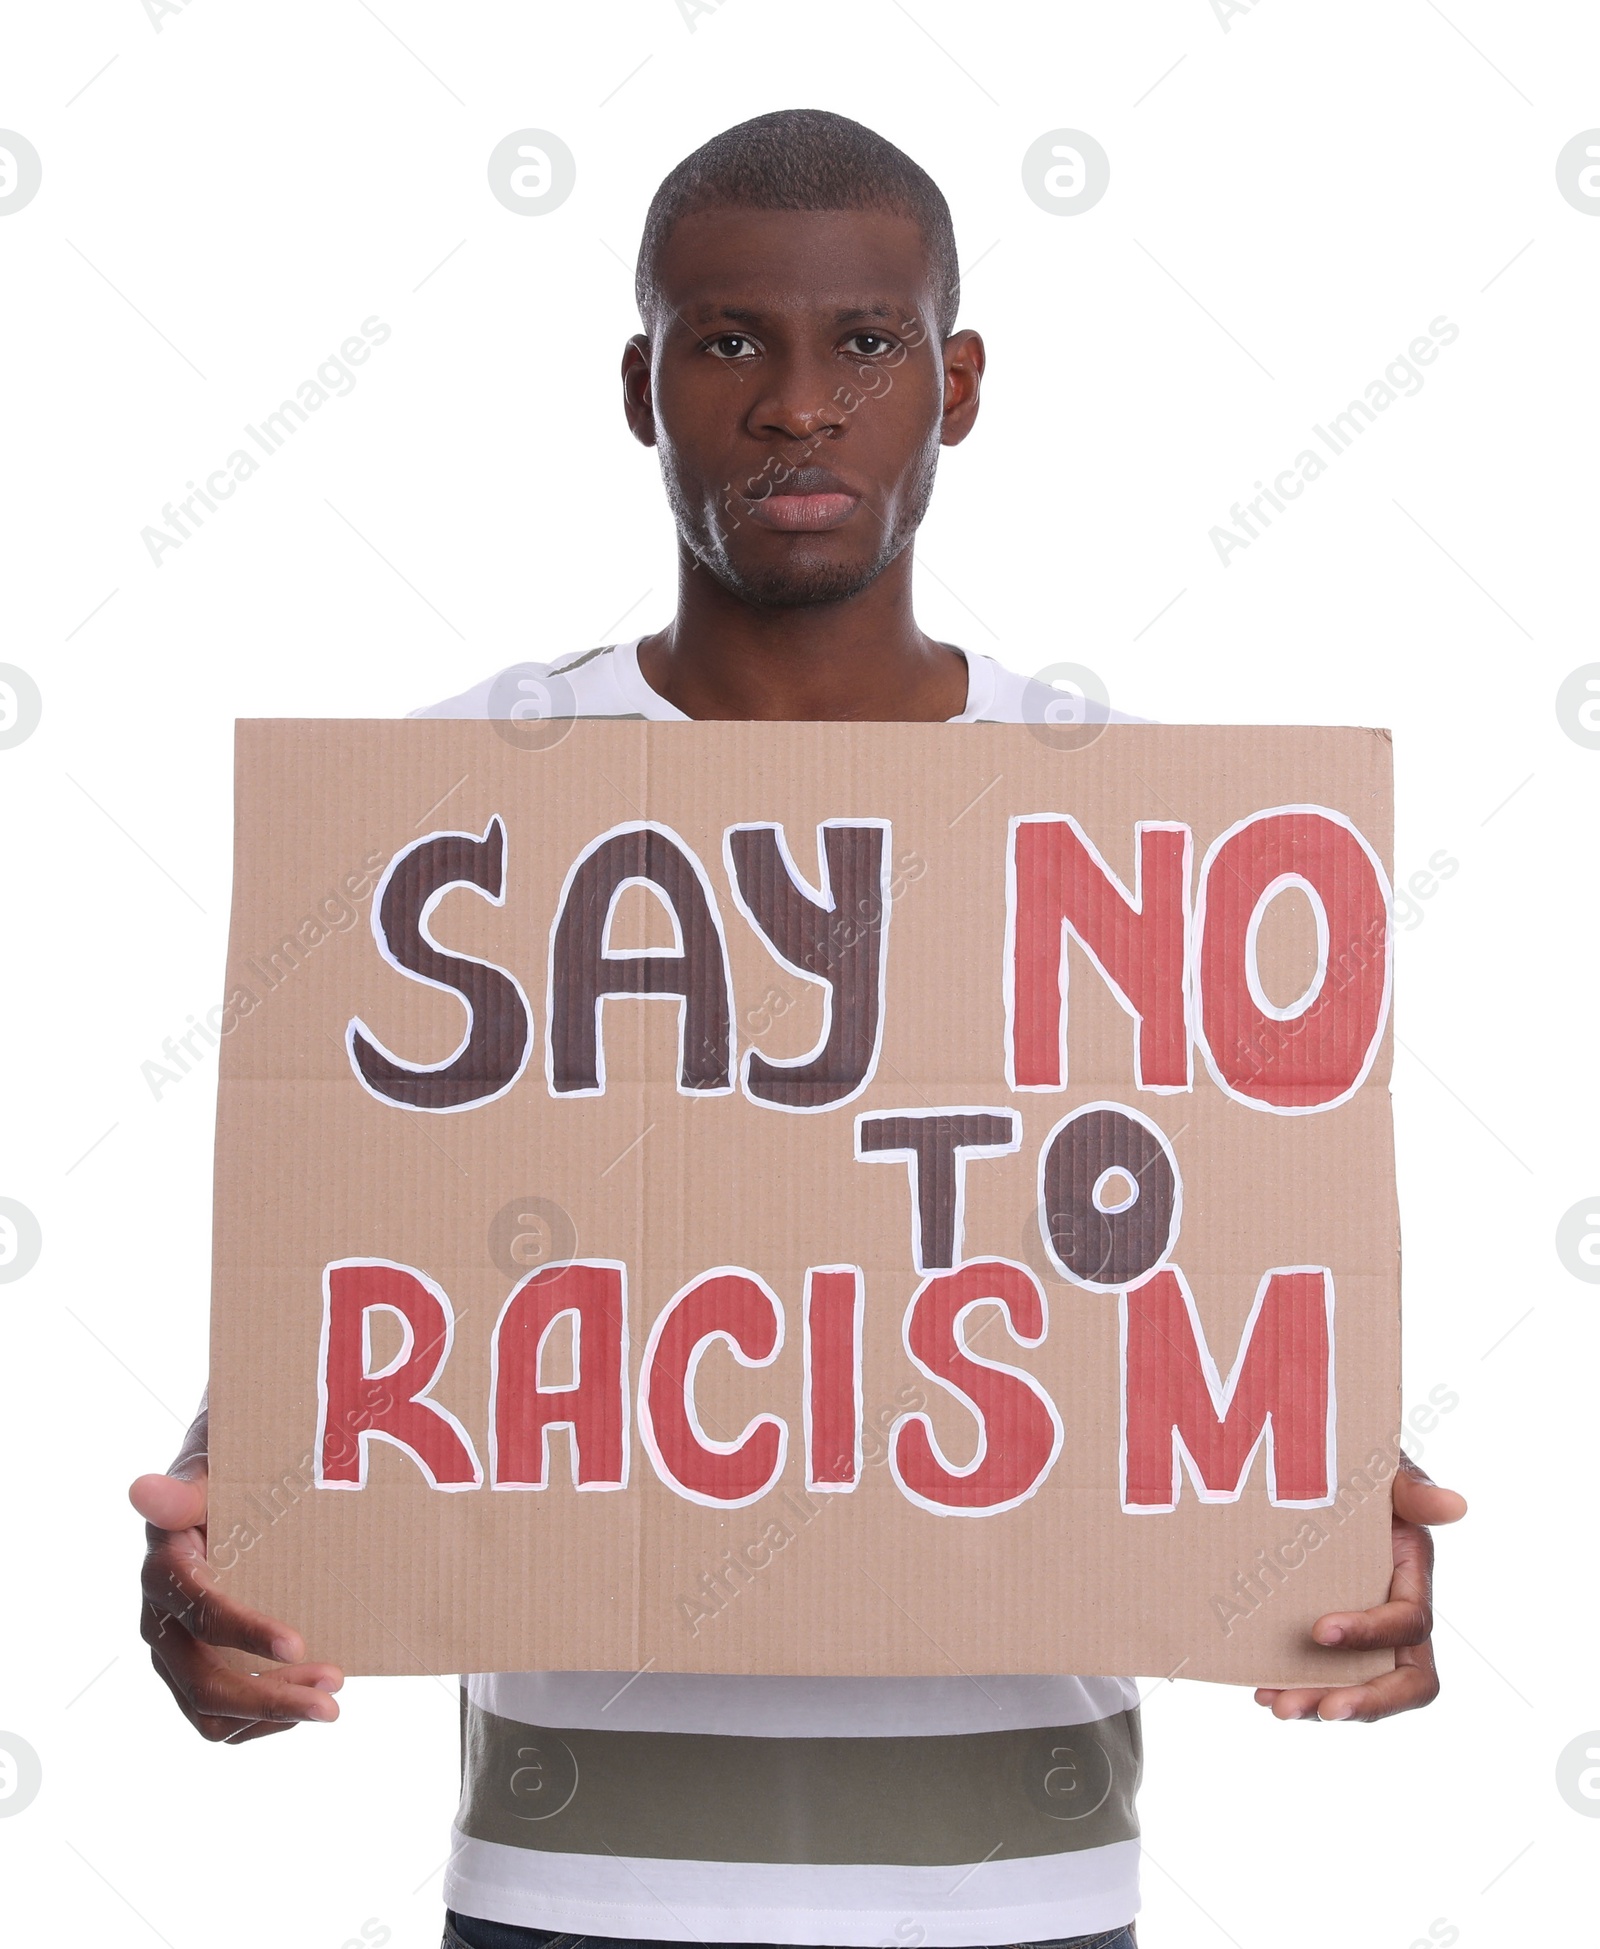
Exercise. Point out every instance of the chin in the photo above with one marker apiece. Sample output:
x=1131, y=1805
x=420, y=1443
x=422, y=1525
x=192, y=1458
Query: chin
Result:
x=797, y=587
x=798, y=583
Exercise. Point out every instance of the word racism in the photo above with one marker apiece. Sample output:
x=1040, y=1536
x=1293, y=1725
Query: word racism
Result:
x=333, y=380
x=1401, y=380
x=1179, y=954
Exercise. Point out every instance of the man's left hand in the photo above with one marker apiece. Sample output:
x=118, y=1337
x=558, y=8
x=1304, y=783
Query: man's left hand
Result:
x=1404, y=1622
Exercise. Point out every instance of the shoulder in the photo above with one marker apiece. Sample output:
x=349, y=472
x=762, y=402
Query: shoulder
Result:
x=585, y=685
x=998, y=695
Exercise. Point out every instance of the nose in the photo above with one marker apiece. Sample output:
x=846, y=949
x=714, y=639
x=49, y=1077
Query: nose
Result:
x=798, y=401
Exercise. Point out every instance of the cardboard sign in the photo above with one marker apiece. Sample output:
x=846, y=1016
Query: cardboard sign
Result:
x=808, y=1198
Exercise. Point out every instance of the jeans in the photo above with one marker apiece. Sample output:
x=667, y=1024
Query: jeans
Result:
x=466, y=1932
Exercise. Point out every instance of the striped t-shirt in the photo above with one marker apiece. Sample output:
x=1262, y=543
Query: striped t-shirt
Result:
x=892, y=1811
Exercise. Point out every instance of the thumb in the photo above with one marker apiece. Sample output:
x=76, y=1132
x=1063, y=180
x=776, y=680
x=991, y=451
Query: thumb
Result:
x=171, y=1502
x=1419, y=1499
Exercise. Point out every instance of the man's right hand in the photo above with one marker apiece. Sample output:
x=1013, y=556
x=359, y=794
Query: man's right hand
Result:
x=186, y=1614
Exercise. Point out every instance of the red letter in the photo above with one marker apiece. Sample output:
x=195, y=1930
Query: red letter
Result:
x=1317, y=1051
x=1019, y=1431
x=832, y=1350
x=391, y=1405
x=1059, y=884
x=736, y=1307
x=1176, y=1410
x=593, y=1405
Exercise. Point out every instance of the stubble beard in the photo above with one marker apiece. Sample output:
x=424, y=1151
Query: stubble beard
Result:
x=704, y=528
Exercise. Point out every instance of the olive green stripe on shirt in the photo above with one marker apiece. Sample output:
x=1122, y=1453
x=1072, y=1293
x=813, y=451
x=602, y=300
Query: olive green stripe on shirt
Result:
x=577, y=662
x=914, y=1801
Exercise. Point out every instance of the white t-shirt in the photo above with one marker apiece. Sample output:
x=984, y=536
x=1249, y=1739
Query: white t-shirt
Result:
x=899, y=1811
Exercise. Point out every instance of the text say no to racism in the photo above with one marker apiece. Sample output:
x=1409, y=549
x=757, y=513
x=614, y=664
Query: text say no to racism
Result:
x=1178, y=951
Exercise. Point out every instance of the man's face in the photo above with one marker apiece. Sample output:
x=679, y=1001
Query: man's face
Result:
x=799, y=392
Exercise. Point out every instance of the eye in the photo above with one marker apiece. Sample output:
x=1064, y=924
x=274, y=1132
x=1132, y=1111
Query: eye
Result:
x=869, y=345
x=731, y=345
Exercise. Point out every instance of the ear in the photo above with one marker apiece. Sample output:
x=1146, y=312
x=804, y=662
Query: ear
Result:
x=637, y=403
x=963, y=377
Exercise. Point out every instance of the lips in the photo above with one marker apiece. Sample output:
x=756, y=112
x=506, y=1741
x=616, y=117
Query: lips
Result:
x=805, y=500
x=795, y=512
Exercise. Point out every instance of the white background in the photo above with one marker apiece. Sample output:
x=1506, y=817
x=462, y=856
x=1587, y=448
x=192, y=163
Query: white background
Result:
x=1290, y=205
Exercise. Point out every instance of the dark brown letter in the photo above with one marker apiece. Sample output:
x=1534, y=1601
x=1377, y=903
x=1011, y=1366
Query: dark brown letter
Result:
x=838, y=939
x=936, y=1144
x=583, y=972
x=491, y=1054
x=1107, y=1245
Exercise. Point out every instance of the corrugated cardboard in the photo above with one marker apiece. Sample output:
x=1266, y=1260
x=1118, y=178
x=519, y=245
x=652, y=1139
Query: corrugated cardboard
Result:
x=316, y=1168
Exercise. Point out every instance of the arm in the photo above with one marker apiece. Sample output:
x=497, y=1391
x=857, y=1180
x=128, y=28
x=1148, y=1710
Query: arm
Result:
x=185, y=1615
x=1405, y=1622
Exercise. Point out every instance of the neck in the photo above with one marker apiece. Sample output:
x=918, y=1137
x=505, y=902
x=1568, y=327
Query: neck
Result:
x=860, y=658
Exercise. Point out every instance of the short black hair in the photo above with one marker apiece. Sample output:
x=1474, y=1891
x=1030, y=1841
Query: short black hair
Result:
x=802, y=159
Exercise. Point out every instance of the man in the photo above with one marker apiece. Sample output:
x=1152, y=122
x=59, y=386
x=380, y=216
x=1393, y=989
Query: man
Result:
x=798, y=372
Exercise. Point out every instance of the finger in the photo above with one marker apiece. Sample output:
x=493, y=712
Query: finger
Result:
x=217, y=1729
x=178, y=1584
x=226, y=1732
x=1407, y=1617
x=1413, y=1682
x=210, y=1690
x=1404, y=1689
x=222, y=1732
x=162, y=1628
x=1412, y=1578
x=1419, y=1499
x=1381, y=1628
x=1292, y=1702
x=325, y=1678
x=171, y=1501
x=233, y=1732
